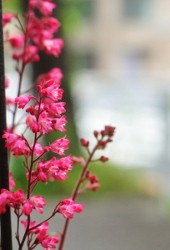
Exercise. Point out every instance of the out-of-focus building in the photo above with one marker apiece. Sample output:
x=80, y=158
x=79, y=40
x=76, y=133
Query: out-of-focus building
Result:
x=125, y=45
x=125, y=33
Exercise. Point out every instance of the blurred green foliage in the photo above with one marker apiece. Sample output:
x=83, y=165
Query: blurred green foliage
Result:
x=12, y=5
x=74, y=13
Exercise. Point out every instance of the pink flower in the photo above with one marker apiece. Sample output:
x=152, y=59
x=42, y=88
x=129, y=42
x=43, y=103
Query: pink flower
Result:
x=54, y=169
x=59, y=123
x=12, y=183
x=27, y=208
x=38, y=202
x=10, y=138
x=7, y=17
x=50, y=24
x=4, y=200
x=32, y=123
x=41, y=232
x=68, y=207
x=45, y=123
x=16, y=144
x=17, y=198
x=23, y=100
x=59, y=146
x=17, y=41
x=35, y=202
x=29, y=55
x=57, y=108
x=44, y=6
x=38, y=150
x=48, y=242
x=54, y=108
x=19, y=147
x=54, y=74
x=50, y=88
x=42, y=176
x=53, y=46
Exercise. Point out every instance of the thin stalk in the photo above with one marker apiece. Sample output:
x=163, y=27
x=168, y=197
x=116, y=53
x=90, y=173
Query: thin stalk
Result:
x=75, y=194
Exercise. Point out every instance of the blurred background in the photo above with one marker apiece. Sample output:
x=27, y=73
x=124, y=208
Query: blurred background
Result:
x=117, y=72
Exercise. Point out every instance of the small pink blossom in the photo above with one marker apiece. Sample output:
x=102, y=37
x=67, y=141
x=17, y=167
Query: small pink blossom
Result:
x=59, y=146
x=68, y=207
x=38, y=150
x=54, y=108
x=45, y=123
x=16, y=144
x=16, y=41
x=35, y=202
x=7, y=17
x=50, y=24
x=51, y=89
x=54, y=169
x=59, y=123
x=49, y=242
x=27, y=208
x=53, y=46
x=44, y=6
x=32, y=123
x=17, y=198
x=4, y=200
x=54, y=74
x=29, y=55
x=23, y=100
x=12, y=183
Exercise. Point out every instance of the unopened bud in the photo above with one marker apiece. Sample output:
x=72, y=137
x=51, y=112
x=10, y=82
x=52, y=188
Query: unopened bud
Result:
x=102, y=144
x=96, y=133
x=84, y=142
x=103, y=158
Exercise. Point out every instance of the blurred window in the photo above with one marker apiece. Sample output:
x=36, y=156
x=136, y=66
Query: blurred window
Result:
x=136, y=9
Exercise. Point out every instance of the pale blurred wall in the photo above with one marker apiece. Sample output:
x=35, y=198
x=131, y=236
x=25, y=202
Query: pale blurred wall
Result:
x=121, y=30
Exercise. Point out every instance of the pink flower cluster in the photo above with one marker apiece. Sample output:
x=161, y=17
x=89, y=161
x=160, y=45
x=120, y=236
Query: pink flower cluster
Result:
x=17, y=201
x=68, y=207
x=38, y=35
x=41, y=234
x=43, y=117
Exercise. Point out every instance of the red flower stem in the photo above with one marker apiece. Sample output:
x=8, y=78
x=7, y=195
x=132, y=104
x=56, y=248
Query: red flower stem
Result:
x=29, y=189
x=21, y=73
x=75, y=194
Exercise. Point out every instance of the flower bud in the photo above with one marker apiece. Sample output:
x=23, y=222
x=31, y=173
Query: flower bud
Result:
x=84, y=142
x=96, y=133
x=103, y=158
